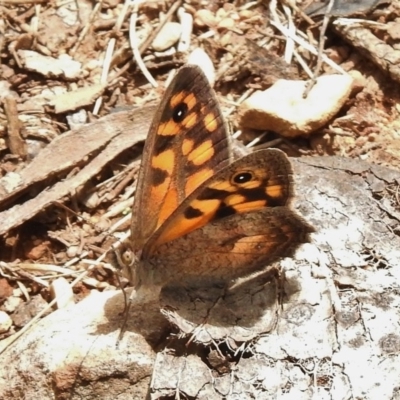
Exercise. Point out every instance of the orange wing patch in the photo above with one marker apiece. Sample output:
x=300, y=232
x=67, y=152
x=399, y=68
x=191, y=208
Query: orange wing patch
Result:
x=169, y=128
x=198, y=215
x=190, y=121
x=275, y=191
x=210, y=122
x=187, y=146
x=241, y=206
x=183, y=97
x=196, y=179
x=168, y=207
x=202, y=153
x=176, y=99
x=164, y=161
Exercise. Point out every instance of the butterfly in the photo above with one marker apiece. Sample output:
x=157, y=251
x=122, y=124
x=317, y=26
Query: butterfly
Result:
x=199, y=214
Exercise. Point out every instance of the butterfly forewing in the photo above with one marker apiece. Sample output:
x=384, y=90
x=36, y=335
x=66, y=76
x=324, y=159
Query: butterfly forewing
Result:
x=187, y=144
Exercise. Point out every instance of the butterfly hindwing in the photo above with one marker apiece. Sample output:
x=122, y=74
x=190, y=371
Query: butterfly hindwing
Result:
x=256, y=181
x=227, y=248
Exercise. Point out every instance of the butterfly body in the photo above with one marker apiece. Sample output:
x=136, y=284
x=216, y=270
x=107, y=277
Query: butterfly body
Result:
x=200, y=215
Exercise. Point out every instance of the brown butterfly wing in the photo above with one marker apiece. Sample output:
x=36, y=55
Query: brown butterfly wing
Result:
x=231, y=226
x=187, y=144
x=259, y=180
x=227, y=248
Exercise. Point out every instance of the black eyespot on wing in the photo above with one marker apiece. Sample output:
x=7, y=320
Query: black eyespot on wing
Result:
x=179, y=112
x=242, y=177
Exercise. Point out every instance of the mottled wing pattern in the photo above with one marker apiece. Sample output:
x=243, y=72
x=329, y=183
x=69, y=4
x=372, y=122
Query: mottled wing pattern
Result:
x=227, y=248
x=262, y=179
x=187, y=144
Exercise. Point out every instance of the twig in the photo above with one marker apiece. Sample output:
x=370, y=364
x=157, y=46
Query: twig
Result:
x=256, y=140
x=308, y=46
x=133, y=40
x=289, y=49
x=289, y=41
x=299, y=11
x=186, y=21
x=117, y=190
x=240, y=100
x=156, y=31
x=143, y=47
x=16, y=336
x=301, y=61
x=16, y=144
x=321, y=46
x=110, y=51
x=86, y=29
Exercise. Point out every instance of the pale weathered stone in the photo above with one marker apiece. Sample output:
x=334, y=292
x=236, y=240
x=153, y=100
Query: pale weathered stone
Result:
x=63, y=66
x=73, y=353
x=282, y=108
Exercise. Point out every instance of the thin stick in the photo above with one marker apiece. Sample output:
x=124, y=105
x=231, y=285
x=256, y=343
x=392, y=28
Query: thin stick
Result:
x=86, y=29
x=302, y=14
x=321, y=46
x=133, y=40
x=151, y=37
x=290, y=47
x=309, y=47
x=143, y=47
x=16, y=143
x=109, y=53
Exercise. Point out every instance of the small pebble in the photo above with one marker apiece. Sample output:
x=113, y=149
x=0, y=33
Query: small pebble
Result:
x=90, y=200
x=12, y=303
x=5, y=322
x=246, y=14
x=200, y=58
x=72, y=251
x=226, y=23
x=38, y=251
x=203, y=18
x=61, y=290
x=64, y=66
x=167, y=37
x=77, y=119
